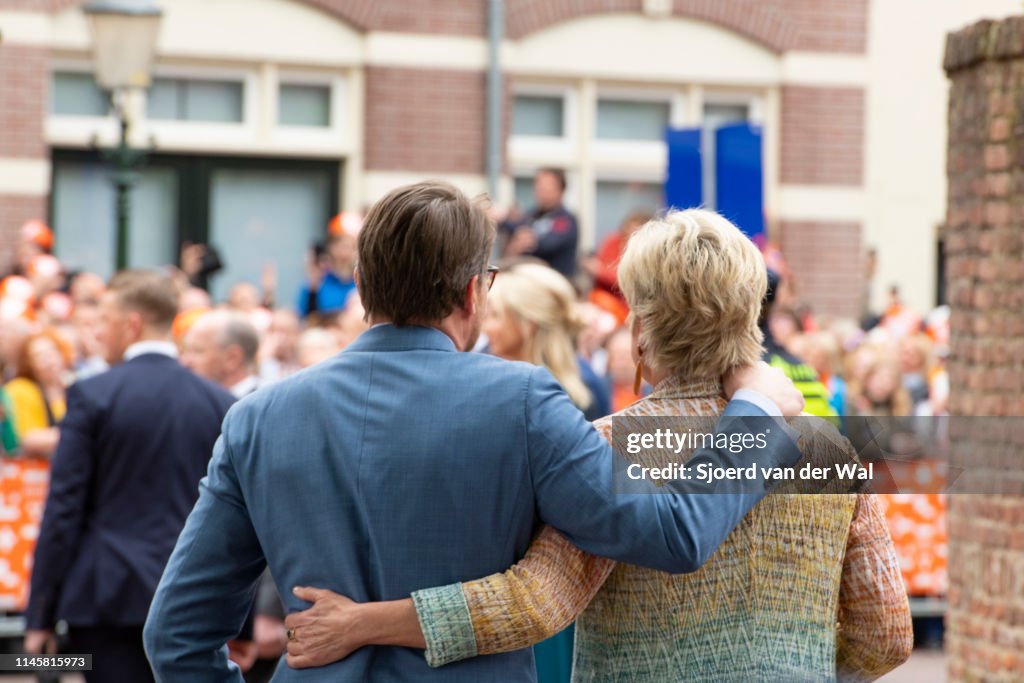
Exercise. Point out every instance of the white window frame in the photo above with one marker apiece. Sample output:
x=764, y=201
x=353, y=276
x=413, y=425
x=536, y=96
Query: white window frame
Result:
x=755, y=102
x=208, y=134
x=542, y=150
x=311, y=138
x=609, y=155
x=77, y=130
x=69, y=67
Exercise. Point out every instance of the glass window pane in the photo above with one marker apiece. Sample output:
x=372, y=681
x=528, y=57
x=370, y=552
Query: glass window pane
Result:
x=76, y=94
x=538, y=116
x=164, y=99
x=631, y=120
x=716, y=115
x=216, y=101
x=84, y=217
x=524, y=193
x=304, y=105
x=154, y=219
x=265, y=216
x=617, y=200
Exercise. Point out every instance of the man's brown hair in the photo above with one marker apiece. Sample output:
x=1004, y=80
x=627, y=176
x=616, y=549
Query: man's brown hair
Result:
x=147, y=292
x=418, y=249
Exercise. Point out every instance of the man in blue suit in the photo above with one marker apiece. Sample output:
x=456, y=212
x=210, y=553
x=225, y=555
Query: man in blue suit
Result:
x=134, y=444
x=401, y=463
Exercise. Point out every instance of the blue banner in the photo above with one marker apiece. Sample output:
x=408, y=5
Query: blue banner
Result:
x=683, y=184
x=739, y=179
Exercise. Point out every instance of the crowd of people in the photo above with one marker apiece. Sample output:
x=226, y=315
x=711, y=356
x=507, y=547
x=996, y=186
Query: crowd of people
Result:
x=546, y=307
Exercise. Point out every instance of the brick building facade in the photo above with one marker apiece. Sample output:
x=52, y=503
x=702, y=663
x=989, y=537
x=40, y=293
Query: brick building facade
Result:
x=407, y=83
x=985, y=252
x=423, y=107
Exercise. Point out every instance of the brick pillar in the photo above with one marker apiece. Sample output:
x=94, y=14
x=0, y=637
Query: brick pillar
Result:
x=24, y=78
x=985, y=279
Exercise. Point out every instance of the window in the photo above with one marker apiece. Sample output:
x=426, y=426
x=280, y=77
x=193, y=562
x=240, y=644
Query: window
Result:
x=254, y=210
x=716, y=115
x=177, y=99
x=267, y=216
x=539, y=116
x=631, y=119
x=524, y=192
x=84, y=216
x=617, y=200
x=304, y=105
x=76, y=94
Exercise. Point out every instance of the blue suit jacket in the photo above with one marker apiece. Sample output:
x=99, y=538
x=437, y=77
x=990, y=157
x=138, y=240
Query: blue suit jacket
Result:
x=133, y=446
x=397, y=465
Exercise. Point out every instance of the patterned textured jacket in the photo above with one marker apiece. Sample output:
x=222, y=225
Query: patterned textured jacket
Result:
x=806, y=588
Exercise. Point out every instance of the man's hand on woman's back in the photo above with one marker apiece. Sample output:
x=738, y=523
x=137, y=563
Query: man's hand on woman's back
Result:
x=770, y=382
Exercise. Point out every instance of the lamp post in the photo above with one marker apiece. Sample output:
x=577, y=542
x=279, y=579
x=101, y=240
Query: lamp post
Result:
x=124, y=34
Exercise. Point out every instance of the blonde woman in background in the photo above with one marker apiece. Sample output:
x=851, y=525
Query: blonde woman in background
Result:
x=533, y=316
x=806, y=588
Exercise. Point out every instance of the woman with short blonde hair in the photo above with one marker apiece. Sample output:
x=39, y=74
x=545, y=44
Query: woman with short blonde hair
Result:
x=695, y=285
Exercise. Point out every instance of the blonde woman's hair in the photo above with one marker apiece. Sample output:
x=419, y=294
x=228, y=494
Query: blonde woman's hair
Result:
x=695, y=283
x=542, y=304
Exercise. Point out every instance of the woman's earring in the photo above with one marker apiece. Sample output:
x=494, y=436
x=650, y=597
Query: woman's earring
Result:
x=638, y=380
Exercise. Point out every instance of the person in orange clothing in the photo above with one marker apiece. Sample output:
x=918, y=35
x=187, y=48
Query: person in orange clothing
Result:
x=604, y=265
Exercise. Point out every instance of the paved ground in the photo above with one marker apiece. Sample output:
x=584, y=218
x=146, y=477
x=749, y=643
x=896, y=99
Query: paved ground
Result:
x=923, y=665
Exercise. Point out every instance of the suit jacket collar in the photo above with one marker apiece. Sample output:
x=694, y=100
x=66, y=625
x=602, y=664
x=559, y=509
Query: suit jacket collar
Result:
x=410, y=337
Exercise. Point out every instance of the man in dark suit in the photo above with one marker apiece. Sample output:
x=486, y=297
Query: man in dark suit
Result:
x=134, y=444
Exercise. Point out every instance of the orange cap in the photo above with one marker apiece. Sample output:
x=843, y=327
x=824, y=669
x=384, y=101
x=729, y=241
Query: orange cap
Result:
x=345, y=223
x=38, y=233
x=184, y=321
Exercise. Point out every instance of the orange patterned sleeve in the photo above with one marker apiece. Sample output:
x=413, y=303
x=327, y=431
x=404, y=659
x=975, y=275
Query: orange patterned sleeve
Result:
x=538, y=597
x=875, y=634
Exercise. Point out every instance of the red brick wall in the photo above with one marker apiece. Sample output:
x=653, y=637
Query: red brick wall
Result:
x=985, y=283
x=458, y=17
x=425, y=120
x=826, y=260
x=823, y=25
x=822, y=136
x=15, y=209
x=24, y=79
x=768, y=27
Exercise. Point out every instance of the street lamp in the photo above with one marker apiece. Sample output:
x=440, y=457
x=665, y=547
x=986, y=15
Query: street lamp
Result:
x=124, y=34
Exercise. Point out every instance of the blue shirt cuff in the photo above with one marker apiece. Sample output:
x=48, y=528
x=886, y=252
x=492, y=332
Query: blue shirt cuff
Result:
x=759, y=400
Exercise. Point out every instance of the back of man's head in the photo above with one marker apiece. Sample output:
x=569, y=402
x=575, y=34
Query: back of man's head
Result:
x=237, y=331
x=150, y=294
x=418, y=250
